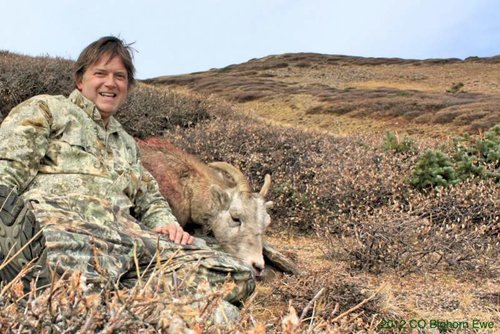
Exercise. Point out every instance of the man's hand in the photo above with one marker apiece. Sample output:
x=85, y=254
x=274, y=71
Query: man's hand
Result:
x=176, y=234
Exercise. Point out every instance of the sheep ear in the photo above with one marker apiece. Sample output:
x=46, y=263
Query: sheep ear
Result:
x=268, y=222
x=219, y=197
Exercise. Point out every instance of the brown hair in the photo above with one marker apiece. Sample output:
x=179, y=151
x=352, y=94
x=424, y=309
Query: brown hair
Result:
x=109, y=45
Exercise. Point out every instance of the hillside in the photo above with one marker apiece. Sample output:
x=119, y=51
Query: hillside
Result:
x=345, y=95
x=372, y=248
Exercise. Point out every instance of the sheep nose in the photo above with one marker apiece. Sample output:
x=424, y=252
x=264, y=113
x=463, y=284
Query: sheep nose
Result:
x=258, y=268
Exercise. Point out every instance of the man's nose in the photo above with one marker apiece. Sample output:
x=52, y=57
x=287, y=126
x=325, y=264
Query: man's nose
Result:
x=110, y=81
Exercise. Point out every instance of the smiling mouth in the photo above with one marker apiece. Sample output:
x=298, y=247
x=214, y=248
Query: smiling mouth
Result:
x=108, y=94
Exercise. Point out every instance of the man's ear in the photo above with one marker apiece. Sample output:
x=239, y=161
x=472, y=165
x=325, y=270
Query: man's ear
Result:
x=219, y=197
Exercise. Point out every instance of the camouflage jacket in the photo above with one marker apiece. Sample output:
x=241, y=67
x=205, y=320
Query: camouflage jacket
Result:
x=53, y=146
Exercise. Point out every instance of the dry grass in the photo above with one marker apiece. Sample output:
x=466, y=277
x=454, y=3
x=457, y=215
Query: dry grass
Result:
x=152, y=305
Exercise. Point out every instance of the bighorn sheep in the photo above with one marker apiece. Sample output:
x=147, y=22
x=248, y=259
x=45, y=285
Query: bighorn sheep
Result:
x=216, y=196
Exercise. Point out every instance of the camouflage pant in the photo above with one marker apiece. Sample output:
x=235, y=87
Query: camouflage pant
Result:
x=108, y=245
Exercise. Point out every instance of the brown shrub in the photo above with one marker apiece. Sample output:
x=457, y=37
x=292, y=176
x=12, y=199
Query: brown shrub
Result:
x=446, y=116
x=273, y=66
x=444, y=228
x=303, y=64
x=385, y=102
x=151, y=111
x=486, y=122
x=266, y=75
x=468, y=116
x=22, y=77
x=335, y=293
x=248, y=96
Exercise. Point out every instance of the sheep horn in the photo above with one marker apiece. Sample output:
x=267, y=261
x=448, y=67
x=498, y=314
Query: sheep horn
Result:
x=235, y=173
x=267, y=184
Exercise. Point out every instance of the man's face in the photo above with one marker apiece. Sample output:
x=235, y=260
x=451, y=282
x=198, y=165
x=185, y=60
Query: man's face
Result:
x=106, y=84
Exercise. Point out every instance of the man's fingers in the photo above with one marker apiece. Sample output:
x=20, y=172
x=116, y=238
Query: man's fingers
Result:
x=176, y=234
x=172, y=233
x=162, y=230
x=186, y=239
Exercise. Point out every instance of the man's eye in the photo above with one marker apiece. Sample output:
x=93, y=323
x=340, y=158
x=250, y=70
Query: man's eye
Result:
x=121, y=76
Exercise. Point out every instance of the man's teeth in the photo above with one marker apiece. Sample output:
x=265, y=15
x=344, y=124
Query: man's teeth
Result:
x=108, y=94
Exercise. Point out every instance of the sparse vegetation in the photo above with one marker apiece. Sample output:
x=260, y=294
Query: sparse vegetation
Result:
x=392, y=142
x=456, y=88
x=413, y=90
x=344, y=210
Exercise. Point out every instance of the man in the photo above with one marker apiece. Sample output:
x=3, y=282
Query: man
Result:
x=75, y=195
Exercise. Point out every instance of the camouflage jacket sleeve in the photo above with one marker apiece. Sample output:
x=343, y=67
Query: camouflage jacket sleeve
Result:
x=151, y=208
x=49, y=144
x=24, y=137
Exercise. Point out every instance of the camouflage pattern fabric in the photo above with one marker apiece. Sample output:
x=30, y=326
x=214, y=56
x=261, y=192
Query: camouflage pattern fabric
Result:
x=94, y=200
x=54, y=145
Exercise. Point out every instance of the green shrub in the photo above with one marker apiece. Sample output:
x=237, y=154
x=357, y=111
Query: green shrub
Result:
x=478, y=157
x=471, y=157
x=467, y=166
x=393, y=143
x=490, y=146
x=434, y=168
